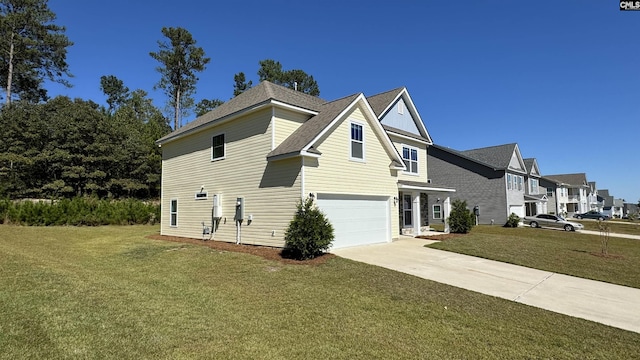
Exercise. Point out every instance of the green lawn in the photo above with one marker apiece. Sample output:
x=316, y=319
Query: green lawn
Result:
x=553, y=250
x=616, y=226
x=109, y=292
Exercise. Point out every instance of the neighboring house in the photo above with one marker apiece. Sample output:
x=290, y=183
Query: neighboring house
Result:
x=551, y=189
x=612, y=207
x=492, y=178
x=629, y=208
x=571, y=193
x=592, y=196
x=535, y=197
x=362, y=160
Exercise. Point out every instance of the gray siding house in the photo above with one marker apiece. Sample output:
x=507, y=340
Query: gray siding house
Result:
x=492, y=178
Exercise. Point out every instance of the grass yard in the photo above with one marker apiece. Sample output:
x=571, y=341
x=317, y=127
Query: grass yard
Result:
x=553, y=250
x=109, y=292
x=616, y=226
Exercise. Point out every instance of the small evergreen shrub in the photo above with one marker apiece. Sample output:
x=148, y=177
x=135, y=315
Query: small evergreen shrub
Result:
x=461, y=219
x=309, y=234
x=512, y=221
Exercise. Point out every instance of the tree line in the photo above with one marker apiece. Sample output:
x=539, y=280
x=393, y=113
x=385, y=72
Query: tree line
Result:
x=62, y=147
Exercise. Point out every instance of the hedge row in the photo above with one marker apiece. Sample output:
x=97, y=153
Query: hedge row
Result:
x=79, y=211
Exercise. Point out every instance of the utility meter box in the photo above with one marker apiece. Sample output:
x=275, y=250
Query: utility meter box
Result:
x=239, y=209
x=217, y=206
x=476, y=210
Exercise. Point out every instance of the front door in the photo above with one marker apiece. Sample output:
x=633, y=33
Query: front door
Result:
x=407, y=211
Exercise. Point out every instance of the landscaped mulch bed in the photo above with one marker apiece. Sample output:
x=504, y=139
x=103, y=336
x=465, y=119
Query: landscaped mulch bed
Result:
x=266, y=252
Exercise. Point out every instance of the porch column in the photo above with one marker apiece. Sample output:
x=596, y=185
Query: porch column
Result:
x=416, y=213
x=446, y=205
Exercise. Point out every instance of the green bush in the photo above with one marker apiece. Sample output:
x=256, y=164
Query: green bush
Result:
x=79, y=211
x=309, y=234
x=461, y=219
x=512, y=221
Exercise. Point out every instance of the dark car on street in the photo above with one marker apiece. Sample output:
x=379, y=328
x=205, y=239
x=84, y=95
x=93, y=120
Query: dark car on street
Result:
x=592, y=215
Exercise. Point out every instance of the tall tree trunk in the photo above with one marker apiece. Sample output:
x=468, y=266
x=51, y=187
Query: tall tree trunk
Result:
x=10, y=74
x=177, y=110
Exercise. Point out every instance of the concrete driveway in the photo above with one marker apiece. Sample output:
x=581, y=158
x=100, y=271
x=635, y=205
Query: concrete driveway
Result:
x=609, y=304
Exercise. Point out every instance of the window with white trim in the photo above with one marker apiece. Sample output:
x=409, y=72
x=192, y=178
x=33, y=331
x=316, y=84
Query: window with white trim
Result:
x=533, y=186
x=173, y=213
x=437, y=212
x=410, y=158
x=509, y=183
x=357, y=141
x=217, y=147
x=520, y=182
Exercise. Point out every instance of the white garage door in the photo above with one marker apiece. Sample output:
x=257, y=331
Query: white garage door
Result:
x=356, y=220
x=517, y=209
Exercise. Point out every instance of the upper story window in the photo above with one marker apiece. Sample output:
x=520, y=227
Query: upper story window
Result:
x=410, y=157
x=217, y=147
x=357, y=141
x=520, y=182
x=509, y=182
x=533, y=186
x=549, y=192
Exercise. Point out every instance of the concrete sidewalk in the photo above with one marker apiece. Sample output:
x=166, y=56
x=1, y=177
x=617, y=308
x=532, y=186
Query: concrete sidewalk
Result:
x=609, y=304
x=626, y=236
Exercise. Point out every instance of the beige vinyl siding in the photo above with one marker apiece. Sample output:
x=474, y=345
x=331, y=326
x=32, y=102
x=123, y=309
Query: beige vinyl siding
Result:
x=270, y=190
x=286, y=122
x=422, y=159
x=335, y=173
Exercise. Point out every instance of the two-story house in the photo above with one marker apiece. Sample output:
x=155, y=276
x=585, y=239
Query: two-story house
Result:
x=611, y=206
x=535, y=197
x=241, y=168
x=492, y=178
x=572, y=190
x=595, y=203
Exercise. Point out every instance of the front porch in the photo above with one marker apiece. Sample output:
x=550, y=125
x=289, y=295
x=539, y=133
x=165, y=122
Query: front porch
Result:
x=415, y=214
x=535, y=204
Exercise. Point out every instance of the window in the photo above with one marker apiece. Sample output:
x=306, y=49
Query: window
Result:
x=549, y=192
x=533, y=186
x=217, y=147
x=509, y=182
x=410, y=157
x=437, y=212
x=173, y=213
x=357, y=142
x=520, y=182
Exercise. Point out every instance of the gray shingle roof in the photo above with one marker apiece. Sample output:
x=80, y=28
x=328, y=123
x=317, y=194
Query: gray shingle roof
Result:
x=498, y=156
x=260, y=94
x=381, y=101
x=312, y=127
x=578, y=179
x=391, y=129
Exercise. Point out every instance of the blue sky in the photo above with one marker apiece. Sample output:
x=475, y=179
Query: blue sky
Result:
x=561, y=78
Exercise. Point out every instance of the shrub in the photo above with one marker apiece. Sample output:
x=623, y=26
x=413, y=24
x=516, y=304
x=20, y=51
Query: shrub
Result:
x=309, y=234
x=512, y=221
x=461, y=219
x=79, y=211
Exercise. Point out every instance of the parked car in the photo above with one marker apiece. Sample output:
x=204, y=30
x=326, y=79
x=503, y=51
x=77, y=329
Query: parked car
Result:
x=592, y=215
x=552, y=221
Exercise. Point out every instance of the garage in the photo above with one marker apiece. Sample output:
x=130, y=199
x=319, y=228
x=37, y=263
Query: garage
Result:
x=357, y=220
x=517, y=209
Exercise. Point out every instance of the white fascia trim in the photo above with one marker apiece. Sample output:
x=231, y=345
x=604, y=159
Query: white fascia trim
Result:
x=293, y=108
x=293, y=155
x=424, y=188
x=376, y=125
x=404, y=137
x=302, y=187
